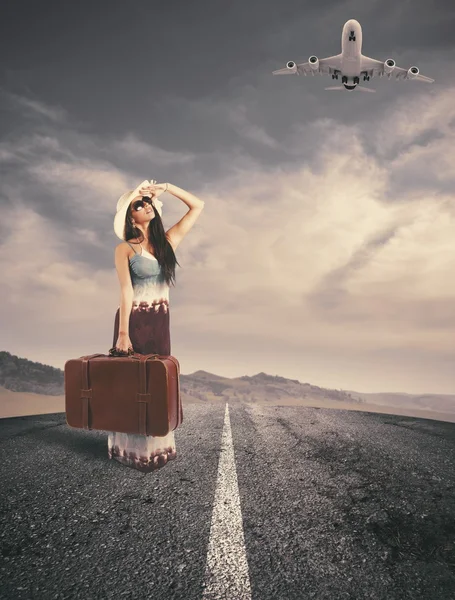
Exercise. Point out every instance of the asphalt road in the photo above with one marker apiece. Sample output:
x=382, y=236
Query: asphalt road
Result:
x=261, y=503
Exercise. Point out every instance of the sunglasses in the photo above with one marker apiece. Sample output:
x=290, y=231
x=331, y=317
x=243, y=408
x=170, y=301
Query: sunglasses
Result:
x=139, y=204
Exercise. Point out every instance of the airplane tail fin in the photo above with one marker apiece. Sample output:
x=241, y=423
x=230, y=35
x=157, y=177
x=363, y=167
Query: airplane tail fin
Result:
x=360, y=88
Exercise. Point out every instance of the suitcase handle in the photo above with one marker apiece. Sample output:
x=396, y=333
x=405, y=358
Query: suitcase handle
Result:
x=118, y=353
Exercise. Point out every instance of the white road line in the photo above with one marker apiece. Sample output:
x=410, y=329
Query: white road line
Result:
x=226, y=572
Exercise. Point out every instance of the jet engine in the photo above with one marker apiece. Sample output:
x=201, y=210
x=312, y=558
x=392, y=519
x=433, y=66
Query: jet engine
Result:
x=314, y=63
x=291, y=66
x=413, y=72
x=389, y=65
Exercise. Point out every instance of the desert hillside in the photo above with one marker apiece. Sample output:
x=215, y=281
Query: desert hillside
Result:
x=29, y=388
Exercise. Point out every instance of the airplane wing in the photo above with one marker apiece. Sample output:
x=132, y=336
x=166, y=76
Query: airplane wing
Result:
x=373, y=67
x=327, y=66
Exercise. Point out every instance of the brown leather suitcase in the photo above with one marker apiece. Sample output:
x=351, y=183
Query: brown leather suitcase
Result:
x=130, y=394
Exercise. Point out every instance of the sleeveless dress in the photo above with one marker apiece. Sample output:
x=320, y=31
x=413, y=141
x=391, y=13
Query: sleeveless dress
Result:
x=149, y=333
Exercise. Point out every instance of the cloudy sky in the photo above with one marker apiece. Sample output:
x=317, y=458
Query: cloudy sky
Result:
x=326, y=249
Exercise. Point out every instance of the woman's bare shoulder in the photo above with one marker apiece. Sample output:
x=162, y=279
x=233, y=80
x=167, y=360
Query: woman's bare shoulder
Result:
x=123, y=249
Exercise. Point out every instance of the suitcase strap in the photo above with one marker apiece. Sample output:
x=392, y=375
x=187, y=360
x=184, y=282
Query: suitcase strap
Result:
x=86, y=391
x=142, y=398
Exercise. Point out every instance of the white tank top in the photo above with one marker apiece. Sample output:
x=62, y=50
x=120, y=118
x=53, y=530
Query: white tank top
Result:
x=147, y=254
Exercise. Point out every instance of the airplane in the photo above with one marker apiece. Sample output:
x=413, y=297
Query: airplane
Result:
x=351, y=64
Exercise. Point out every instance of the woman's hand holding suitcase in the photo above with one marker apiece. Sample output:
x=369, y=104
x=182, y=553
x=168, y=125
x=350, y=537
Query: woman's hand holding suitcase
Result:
x=123, y=346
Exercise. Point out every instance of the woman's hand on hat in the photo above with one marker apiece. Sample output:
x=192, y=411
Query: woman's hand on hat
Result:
x=144, y=191
x=153, y=190
x=157, y=189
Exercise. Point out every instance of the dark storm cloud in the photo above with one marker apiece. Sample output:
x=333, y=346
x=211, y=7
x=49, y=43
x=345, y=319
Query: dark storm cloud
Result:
x=183, y=83
x=115, y=65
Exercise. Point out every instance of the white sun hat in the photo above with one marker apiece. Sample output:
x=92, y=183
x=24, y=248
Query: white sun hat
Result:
x=125, y=200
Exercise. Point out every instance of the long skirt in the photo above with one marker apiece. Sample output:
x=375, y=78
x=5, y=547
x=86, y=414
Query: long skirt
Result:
x=149, y=334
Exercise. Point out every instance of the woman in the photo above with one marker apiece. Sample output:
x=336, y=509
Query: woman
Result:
x=145, y=263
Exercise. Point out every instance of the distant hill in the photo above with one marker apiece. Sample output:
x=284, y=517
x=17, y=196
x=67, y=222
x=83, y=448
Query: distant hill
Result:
x=22, y=375
x=206, y=386
x=433, y=402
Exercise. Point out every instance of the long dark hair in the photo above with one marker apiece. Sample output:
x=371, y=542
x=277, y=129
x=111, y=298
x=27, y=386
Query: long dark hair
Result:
x=158, y=239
